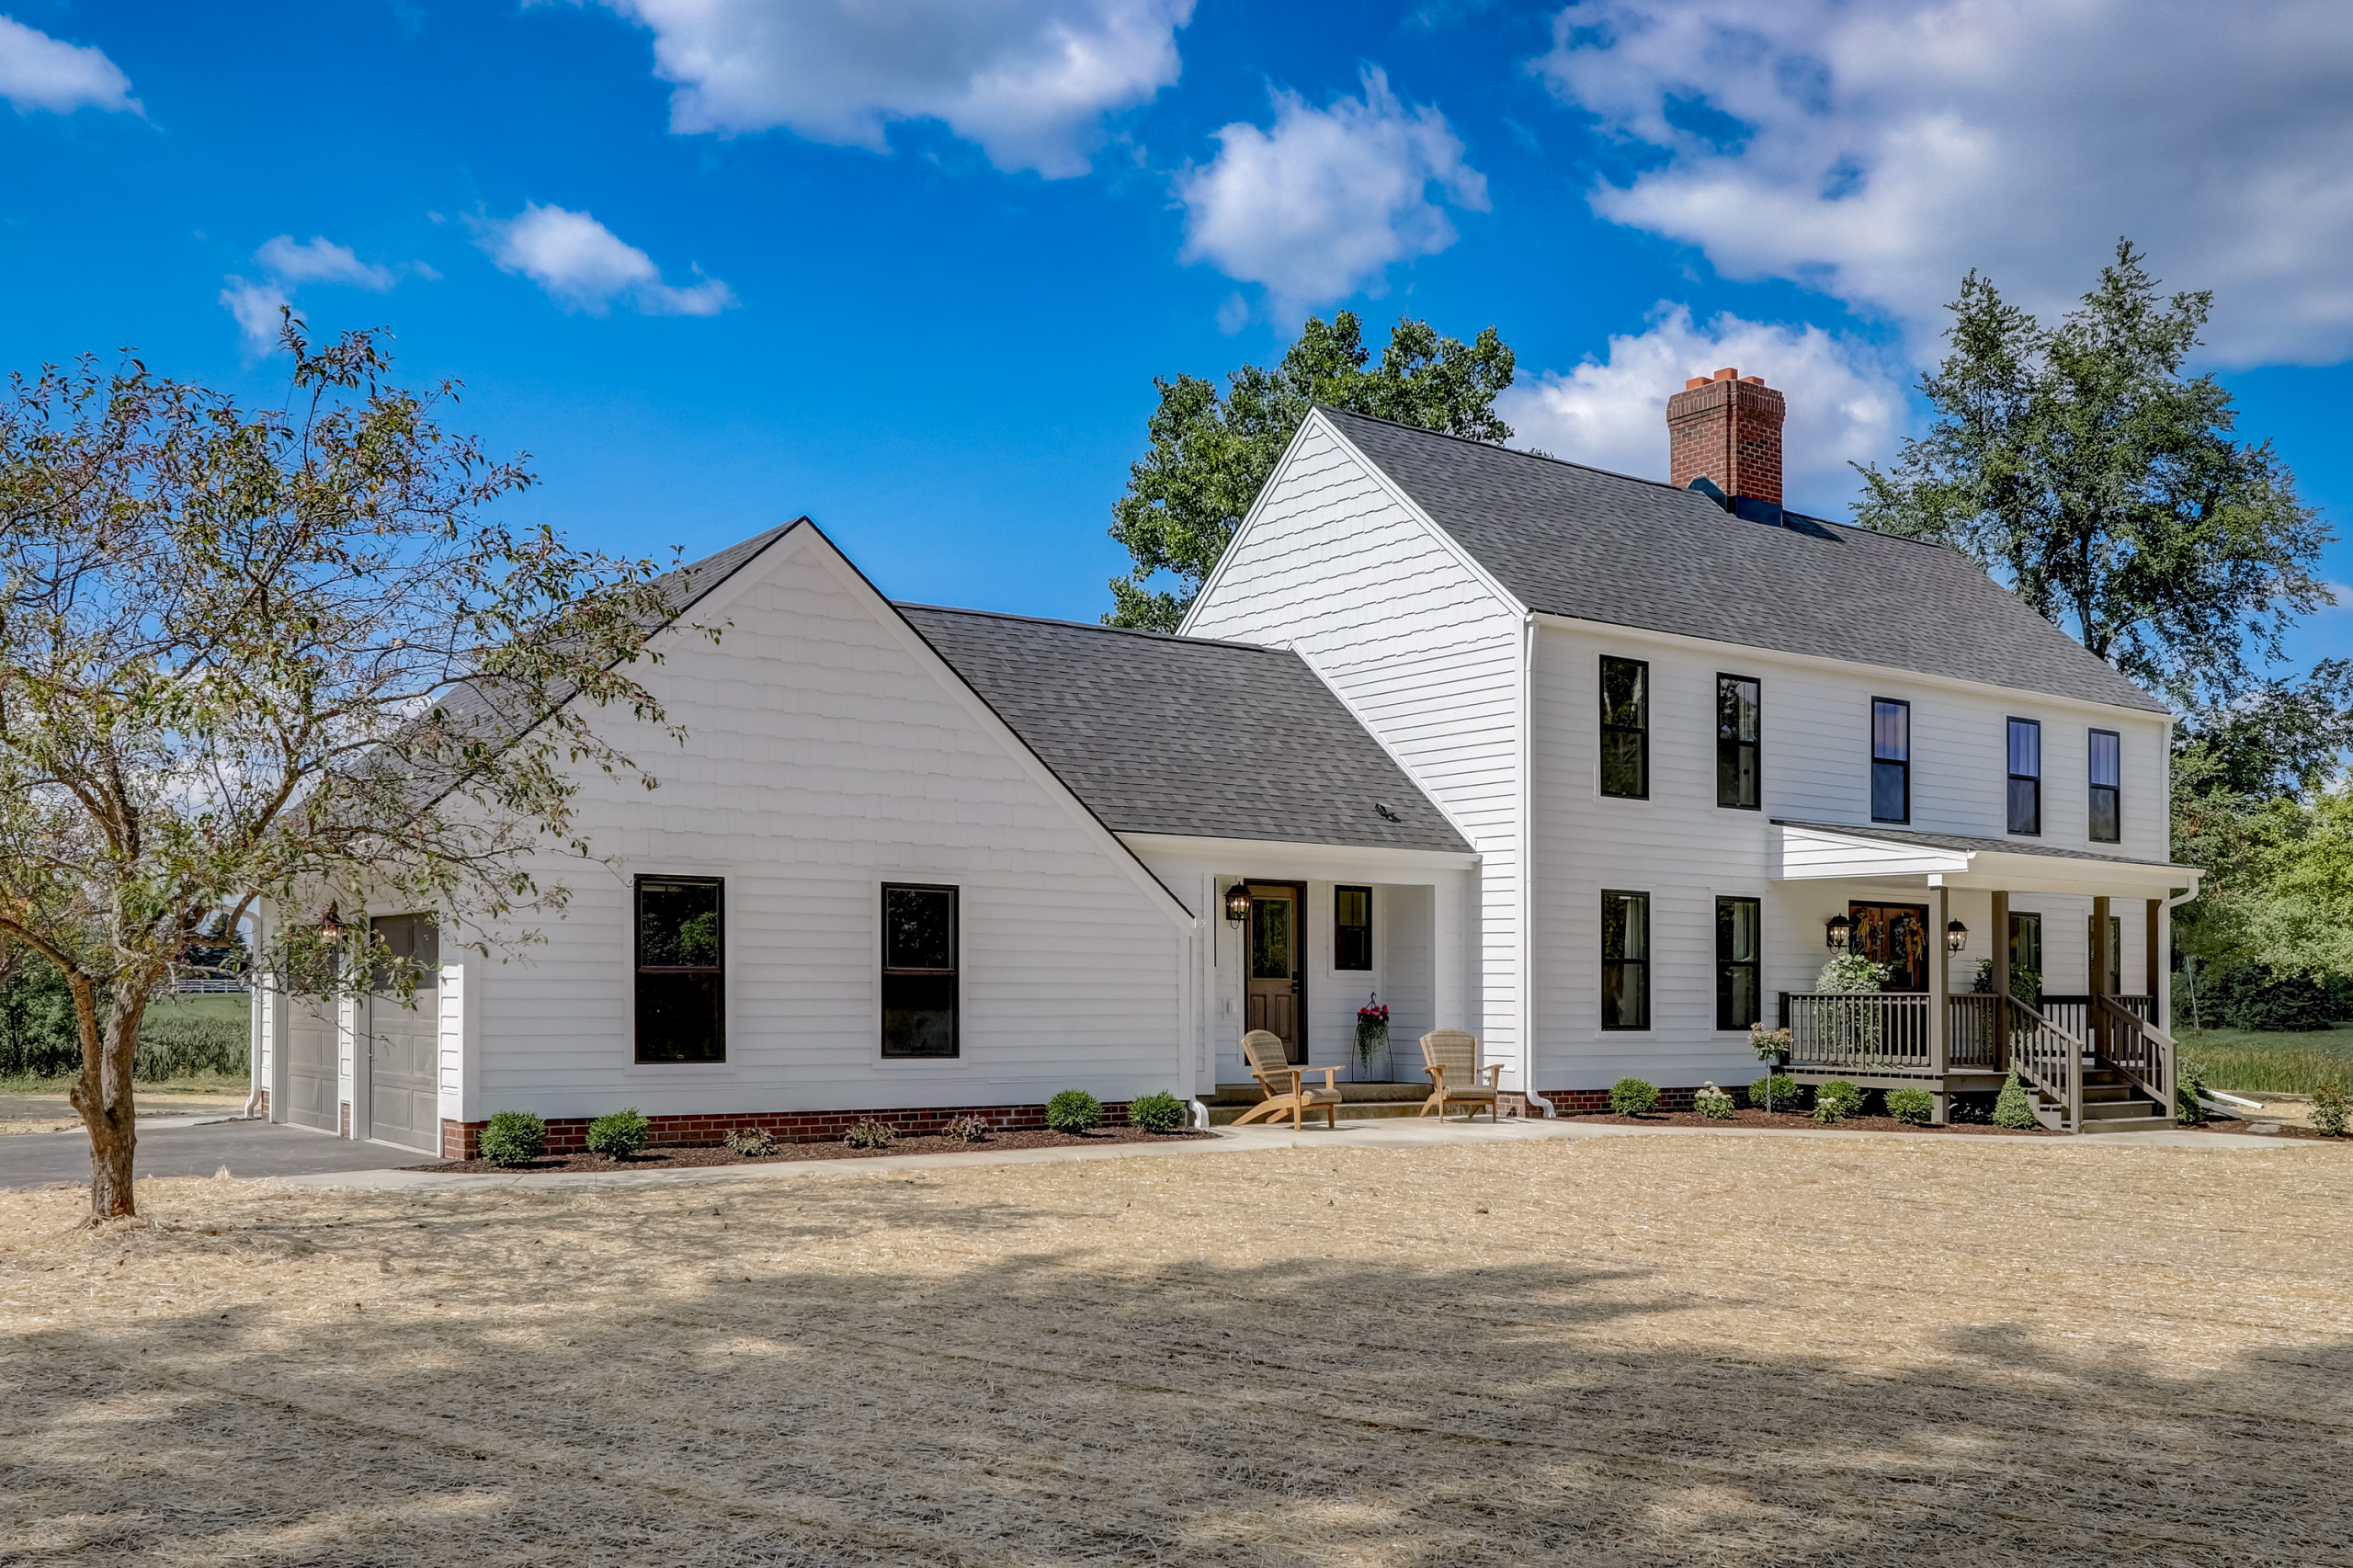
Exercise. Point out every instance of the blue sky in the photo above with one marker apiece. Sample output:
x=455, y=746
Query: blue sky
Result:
x=910, y=266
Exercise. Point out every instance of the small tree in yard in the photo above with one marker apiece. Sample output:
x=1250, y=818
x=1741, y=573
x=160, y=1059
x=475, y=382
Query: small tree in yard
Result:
x=263, y=653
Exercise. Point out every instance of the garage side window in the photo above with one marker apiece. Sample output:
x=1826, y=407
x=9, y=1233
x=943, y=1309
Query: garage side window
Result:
x=919, y=971
x=681, y=970
x=1352, y=928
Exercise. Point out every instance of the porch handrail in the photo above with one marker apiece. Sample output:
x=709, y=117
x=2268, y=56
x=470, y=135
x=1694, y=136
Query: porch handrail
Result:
x=2049, y=1058
x=2138, y=1049
x=1973, y=1032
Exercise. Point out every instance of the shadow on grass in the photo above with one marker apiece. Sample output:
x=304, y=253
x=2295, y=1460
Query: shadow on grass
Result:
x=579, y=1401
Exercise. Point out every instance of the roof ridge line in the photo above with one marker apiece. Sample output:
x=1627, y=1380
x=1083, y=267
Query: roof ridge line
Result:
x=1668, y=486
x=1092, y=626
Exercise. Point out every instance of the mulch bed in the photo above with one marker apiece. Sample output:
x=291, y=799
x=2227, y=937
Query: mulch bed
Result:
x=1746, y=1117
x=672, y=1158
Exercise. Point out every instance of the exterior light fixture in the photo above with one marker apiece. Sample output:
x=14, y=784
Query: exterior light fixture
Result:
x=331, y=924
x=1238, y=903
x=1834, y=934
x=1956, y=937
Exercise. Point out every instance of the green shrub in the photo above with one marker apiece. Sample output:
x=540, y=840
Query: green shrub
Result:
x=1633, y=1097
x=2331, y=1109
x=751, y=1143
x=1775, y=1091
x=1852, y=972
x=619, y=1135
x=2257, y=996
x=2013, y=1109
x=513, y=1137
x=1714, y=1102
x=1073, y=1110
x=2189, y=1091
x=1163, y=1112
x=966, y=1130
x=1836, y=1101
x=869, y=1134
x=1911, y=1107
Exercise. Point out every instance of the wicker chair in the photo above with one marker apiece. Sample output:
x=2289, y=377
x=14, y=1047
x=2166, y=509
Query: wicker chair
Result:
x=1451, y=1053
x=1285, y=1084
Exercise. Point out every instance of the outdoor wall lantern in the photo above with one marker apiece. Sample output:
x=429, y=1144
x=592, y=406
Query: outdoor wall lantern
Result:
x=1834, y=934
x=1238, y=903
x=331, y=924
x=1956, y=937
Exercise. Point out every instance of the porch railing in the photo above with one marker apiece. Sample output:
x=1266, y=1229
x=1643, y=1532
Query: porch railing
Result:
x=1886, y=1033
x=2049, y=1058
x=1973, y=1034
x=2137, y=1048
x=2073, y=1013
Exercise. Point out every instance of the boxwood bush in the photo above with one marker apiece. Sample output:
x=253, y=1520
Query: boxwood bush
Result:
x=1776, y=1091
x=1073, y=1110
x=619, y=1135
x=1163, y=1112
x=1836, y=1101
x=513, y=1137
x=2014, y=1111
x=1633, y=1097
x=1911, y=1107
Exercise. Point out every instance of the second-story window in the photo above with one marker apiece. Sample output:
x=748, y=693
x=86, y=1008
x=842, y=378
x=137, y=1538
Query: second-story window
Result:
x=1737, y=736
x=2026, y=776
x=2108, y=816
x=1891, y=760
x=1625, y=728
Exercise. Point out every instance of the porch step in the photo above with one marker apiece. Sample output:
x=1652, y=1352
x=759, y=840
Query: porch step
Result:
x=2129, y=1123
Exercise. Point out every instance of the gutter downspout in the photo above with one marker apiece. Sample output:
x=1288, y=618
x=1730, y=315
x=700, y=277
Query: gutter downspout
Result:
x=1525, y=980
x=256, y=999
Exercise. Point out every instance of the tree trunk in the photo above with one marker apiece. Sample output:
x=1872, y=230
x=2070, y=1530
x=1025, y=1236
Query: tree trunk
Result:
x=102, y=1095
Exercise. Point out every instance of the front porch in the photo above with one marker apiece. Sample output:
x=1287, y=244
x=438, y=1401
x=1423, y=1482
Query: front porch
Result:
x=2096, y=1059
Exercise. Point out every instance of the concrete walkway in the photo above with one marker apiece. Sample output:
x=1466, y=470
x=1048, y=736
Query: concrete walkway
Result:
x=198, y=1147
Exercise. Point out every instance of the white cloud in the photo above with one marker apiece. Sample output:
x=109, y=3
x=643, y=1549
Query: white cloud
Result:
x=1879, y=152
x=320, y=260
x=1321, y=205
x=38, y=72
x=1030, y=81
x=584, y=266
x=287, y=264
x=1845, y=403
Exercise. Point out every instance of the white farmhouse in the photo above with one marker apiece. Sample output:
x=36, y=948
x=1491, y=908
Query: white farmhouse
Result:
x=1594, y=768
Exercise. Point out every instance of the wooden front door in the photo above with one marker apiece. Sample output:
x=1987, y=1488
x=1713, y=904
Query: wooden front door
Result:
x=1896, y=935
x=1277, y=996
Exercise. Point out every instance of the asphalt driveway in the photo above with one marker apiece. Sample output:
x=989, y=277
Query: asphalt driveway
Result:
x=247, y=1148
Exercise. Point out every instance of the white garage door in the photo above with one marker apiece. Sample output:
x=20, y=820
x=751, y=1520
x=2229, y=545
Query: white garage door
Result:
x=311, y=1099
x=405, y=1042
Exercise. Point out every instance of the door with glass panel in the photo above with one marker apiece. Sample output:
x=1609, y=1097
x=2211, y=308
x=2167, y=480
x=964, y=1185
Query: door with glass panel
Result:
x=1276, y=987
x=1897, y=936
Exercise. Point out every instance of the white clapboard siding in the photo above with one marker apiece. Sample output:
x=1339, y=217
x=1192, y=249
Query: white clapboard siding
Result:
x=1335, y=563
x=829, y=752
x=1686, y=851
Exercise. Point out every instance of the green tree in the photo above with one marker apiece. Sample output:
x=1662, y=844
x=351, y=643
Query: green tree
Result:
x=274, y=654
x=1210, y=451
x=2079, y=462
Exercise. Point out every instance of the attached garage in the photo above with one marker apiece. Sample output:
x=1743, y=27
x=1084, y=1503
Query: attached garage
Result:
x=404, y=1042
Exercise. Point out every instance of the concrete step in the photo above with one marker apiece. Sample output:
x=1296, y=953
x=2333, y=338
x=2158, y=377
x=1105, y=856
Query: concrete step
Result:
x=2129, y=1123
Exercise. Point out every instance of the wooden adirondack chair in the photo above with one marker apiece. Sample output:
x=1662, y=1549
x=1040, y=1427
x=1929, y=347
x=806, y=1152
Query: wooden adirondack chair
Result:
x=1286, y=1084
x=1451, y=1052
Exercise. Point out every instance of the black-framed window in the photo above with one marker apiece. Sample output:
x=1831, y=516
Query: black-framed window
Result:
x=681, y=970
x=2107, y=770
x=1625, y=728
x=1739, y=923
x=1351, y=928
x=1625, y=960
x=2025, y=941
x=2026, y=776
x=1739, y=734
x=919, y=973
x=1891, y=759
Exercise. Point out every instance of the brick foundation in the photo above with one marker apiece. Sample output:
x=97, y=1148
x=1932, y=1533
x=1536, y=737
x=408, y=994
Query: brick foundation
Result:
x=343, y=1119
x=1585, y=1102
x=264, y=1103
x=569, y=1134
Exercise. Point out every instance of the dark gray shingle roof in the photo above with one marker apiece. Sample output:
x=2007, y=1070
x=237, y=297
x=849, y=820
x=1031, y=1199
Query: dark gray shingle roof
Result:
x=1963, y=843
x=1185, y=735
x=1571, y=541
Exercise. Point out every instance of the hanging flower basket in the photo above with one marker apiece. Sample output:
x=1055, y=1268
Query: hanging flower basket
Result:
x=1372, y=1036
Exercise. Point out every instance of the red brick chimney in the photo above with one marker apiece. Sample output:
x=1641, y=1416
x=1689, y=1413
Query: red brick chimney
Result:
x=1727, y=430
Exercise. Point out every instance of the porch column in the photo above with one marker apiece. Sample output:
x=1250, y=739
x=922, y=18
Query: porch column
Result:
x=2151, y=949
x=2103, y=977
x=1939, y=993
x=2002, y=980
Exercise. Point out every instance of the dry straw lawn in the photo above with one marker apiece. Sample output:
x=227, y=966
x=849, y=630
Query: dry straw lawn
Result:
x=1662, y=1349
